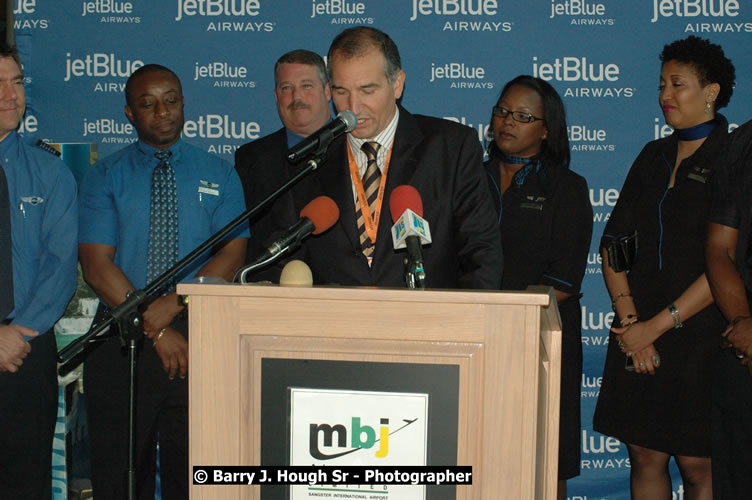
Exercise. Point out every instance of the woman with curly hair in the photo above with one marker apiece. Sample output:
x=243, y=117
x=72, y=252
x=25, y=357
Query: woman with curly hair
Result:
x=656, y=390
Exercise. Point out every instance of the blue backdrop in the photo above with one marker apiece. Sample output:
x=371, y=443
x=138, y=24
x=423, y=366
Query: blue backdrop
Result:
x=601, y=55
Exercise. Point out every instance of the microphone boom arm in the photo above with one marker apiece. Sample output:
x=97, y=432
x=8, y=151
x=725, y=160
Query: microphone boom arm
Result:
x=127, y=311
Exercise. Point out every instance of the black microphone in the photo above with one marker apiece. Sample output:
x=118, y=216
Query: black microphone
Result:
x=344, y=122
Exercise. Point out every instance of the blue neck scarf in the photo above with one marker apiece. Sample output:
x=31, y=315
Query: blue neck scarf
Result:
x=521, y=175
x=514, y=160
x=697, y=132
x=529, y=165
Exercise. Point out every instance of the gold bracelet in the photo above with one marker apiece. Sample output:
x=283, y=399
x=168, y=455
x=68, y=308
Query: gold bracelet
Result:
x=619, y=296
x=629, y=319
x=159, y=336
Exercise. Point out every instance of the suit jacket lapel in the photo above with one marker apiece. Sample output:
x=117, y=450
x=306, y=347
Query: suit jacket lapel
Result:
x=336, y=183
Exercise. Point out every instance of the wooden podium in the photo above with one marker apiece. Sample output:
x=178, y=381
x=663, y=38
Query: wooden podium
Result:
x=506, y=345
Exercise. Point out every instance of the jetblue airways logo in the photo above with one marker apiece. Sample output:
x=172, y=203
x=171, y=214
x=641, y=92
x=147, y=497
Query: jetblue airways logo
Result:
x=576, y=8
x=214, y=8
x=454, y=8
x=581, y=69
x=110, y=11
x=572, y=69
x=694, y=8
x=584, y=138
x=460, y=75
x=470, y=11
x=25, y=9
x=107, y=7
x=223, y=74
x=99, y=65
x=581, y=12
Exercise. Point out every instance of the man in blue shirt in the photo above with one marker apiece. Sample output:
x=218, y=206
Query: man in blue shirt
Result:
x=301, y=90
x=44, y=228
x=114, y=249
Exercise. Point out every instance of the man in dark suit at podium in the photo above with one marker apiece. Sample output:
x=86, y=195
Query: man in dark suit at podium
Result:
x=303, y=96
x=441, y=159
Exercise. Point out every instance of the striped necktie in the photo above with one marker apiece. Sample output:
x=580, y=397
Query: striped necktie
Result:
x=163, y=220
x=371, y=181
x=6, y=257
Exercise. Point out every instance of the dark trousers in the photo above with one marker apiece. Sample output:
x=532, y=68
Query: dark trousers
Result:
x=732, y=428
x=161, y=414
x=28, y=409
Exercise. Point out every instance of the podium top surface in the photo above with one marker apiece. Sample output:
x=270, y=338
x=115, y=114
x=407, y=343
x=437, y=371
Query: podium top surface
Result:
x=540, y=296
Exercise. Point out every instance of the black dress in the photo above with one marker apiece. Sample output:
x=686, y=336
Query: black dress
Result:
x=546, y=222
x=669, y=411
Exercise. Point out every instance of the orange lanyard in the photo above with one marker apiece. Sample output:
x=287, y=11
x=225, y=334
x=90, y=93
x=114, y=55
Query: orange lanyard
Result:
x=371, y=221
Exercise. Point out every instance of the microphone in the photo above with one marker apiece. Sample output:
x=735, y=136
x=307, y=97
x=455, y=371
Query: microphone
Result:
x=296, y=273
x=410, y=231
x=320, y=214
x=320, y=140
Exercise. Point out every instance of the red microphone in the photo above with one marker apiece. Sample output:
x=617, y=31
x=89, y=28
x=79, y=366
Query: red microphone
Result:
x=402, y=198
x=316, y=217
x=322, y=212
x=411, y=231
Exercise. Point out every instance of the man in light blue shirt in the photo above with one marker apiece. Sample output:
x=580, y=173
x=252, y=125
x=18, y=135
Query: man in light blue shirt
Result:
x=44, y=229
x=117, y=209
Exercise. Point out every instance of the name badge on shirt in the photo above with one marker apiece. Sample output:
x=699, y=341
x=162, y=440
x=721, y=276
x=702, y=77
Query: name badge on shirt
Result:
x=32, y=200
x=207, y=187
x=533, y=202
x=700, y=174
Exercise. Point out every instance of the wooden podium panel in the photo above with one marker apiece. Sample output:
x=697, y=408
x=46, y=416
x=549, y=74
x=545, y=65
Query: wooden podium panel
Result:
x=506, y=345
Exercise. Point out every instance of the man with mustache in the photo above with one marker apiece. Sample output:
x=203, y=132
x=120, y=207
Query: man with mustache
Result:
x=142, y=209
x=303, y=95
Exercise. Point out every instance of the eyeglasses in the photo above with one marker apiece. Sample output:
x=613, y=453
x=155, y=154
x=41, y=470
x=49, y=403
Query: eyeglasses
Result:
x=517, y=116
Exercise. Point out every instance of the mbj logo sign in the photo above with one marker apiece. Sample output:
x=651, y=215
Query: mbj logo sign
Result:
x=324, y=429
x=361, y=437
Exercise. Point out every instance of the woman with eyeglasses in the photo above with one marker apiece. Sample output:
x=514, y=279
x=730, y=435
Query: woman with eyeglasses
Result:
x=545, y=220
x=656, y=390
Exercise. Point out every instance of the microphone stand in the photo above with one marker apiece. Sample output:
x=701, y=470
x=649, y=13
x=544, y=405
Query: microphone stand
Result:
x=415, y=275
x=129, y=321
